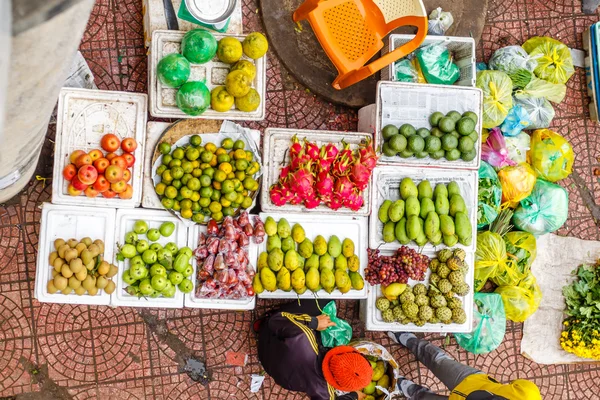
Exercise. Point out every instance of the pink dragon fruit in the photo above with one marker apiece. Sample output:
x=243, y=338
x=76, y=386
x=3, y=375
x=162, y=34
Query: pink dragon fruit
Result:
x=342, y=163
x=354, y=201
x=360, y=175
x=324, y=185
x=277, y=195
x=301, y=183
x=335, y=203
x=312, y=202
x=283, y=174
x=343, y=188
x=327, y=156
x=366, y=155
x=311, y=149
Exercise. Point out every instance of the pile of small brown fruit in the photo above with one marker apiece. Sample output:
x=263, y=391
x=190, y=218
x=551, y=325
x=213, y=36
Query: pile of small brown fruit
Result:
x=79, y=268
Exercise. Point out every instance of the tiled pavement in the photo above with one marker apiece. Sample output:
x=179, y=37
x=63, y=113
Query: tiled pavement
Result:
x=86, y=352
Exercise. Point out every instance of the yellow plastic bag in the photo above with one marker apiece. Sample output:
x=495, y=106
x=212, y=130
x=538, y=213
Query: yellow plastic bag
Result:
x=490, y=256
x=420, y=76
x=550, y=155
x=554, y=61
x=517, y=183
x=521, y=301
x=520, y=251
x=497, y=96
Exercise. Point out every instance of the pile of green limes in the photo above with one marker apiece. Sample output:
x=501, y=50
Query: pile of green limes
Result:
x=452, y=136
x=206, y=181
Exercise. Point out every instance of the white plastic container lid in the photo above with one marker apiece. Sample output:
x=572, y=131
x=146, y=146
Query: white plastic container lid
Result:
x=210, y=11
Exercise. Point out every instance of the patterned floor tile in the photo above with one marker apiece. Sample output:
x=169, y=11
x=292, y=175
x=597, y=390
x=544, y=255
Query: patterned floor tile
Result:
x=178, y=386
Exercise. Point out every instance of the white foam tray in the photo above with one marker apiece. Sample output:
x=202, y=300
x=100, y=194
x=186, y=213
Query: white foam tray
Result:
x=66, y=222
x=461, y=48
x=192, y=301
x=276, y=144
x=125, y=220
x=399, y=103
x=371, y=316
x=386, y=181
x=162, y=98
x=354, y=228
x=83, y=117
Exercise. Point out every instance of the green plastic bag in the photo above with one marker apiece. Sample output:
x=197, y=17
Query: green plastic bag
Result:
x=555, y=63
x=497, y=97
x=405, y=71
x=490, y=256
x=489, y=325
x=436, y=64
x=544, y=211
x=521, y=301
x=489, y=195
x=338, y=335
x=551, y=155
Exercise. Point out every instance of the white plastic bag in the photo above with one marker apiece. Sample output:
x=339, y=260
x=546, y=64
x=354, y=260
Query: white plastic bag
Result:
x=439, y=22
x=511, y=59
x=518, y=146
x=554, y=92
x=539, y=109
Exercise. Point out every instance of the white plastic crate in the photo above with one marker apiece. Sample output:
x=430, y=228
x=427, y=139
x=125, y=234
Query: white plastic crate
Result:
x=125, y=220
x=354, y=228
x=400, y=103
x=276, y=144
x=162, y=98
x=66, y=222
x=386, y=181
x=192, y=301
x=371, y=316
x=462, y=48
x=83, y=117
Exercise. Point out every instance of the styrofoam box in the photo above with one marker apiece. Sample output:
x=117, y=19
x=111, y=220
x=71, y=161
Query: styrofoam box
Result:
x=124, y=223
x=276, y=144
x=66, y=222
x=386, y=183
x=461, y=48
x=400, y=103
x=354, y=228
x=371, y=316
x=192, y=301
x=83, y=117
x=162, y=98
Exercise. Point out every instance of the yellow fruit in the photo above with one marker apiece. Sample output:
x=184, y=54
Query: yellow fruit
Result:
x=238, y=83
x=249, y=102
x=246, y=66
x=255, y=45
x=392, y=291
x=229, y=50
x=220, y=100
x=225, y=167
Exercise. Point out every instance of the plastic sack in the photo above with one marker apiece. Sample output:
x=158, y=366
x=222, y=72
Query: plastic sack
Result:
x=436, y=64
x=417, y=67
x=541, y=112
x=489, y=195
x=517, y=183
x=338, y=335
x=521, y=301
x=516, y=120
x=554, y=92
x=497, y=96
x=489, y=325
x=511, y=59
x=522, y=248
x=554, y=61
x=405, y=71
x=518, y=146
x=493, y=150
x=544, y=211
x=551, y=155
x=439, y=22
x=481, y=66
x=490, y=255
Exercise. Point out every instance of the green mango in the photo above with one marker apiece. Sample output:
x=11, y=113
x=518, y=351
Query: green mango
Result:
x=342, y=281
x=300, y=290
x=408, y=188
x=388, y=232
x=432, y=224
x=453, y=188
x=396, y=211
x=283, y=228
x=400, y=232
x=298, y=279
x=341, y=262
x=298, y=234
x=268, y=279
x=326, y=262
x=312, y=262
x=358, y=283
x=257, y=285
x=270, y=226
x=464, y=231
x=427, y=206
x=334, y=247
x=457, y=204
x=275, y=260
x=313, y=279
x=287, y=244
x=425, y=191
x=327, y=280
x=320, y=245
x=413, y=227
x=291, y=260
x=413, y=206
x=441, y=205
x=284, y=279
x=370, y=388
x=436, y=238
x=440, y=190
x=301, y=261
x=383, y=211
x=273, y=242
x=347, y=247
x=450, y=240
x=447, y=225
x=305, y=248
x=421, y=240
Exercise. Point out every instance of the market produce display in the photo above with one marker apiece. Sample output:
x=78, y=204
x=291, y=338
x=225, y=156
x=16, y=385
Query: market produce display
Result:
x=224, y=270
x=96, y=173
x=425, y=215
x=293, y=261
x=199, y=46
x=201, y=181
x=329, y=175
x=155, y=270
x=79, y=267
x=434, y=304
x=382, y=377
x=405, y=264
x=452, y=136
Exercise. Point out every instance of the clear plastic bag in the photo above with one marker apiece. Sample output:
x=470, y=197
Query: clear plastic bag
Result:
x=517, y=183
x=489, y=325
x=521, y=301
x=490, y=255
x=541, y=112
x=489, y=195
x=554, y=92
x=511, y=59
x=493, y=150
x=405, y=71
x=338, y=335
x=497, y=96
x=544, y=211
x=516, y=120
x=518, y=146
x=439, y=22
x=554, y=61
x=551, y=155
x=437, y=66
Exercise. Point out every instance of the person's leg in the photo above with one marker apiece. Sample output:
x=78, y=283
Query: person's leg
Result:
x=414, y=391
x=450, y=372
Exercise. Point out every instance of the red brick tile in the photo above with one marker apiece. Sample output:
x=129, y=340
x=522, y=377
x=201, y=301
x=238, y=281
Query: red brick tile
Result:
x=178, y=386
x=228, y=331
x=14, y=377
x=233, y=383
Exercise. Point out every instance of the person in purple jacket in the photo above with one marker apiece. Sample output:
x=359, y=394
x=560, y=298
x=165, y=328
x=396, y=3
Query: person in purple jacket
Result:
x=291, y=352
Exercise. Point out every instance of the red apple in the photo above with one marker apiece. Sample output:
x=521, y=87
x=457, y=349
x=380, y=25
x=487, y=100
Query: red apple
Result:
x=69, y=172
x=109, y=194
x=91, y=192
x=127, y=193
x=82, y=160
x=126, y=175
x=110, y=156
x=75, y=155
x=129, y=159
x=95, y=154
x=87, y=174
x=72, y=191
x=113, y=173
x=129, y=145
x=101, y=164
x=77, y=184
x=118, y=187
x=110, y=142
x=120, y=161
x=101, y=184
